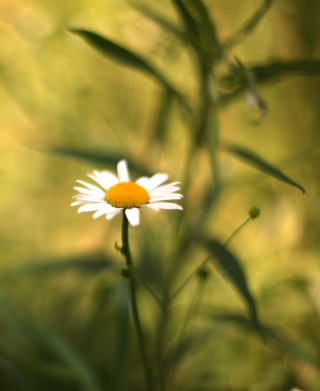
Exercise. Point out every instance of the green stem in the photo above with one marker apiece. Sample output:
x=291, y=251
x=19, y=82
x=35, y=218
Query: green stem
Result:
x=236, y=231
x=134, y=307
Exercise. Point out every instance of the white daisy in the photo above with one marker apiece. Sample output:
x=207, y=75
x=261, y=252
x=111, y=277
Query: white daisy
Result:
x=120, y=193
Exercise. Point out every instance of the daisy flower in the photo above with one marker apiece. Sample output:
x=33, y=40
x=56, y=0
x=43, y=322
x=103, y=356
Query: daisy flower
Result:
x=119, y=193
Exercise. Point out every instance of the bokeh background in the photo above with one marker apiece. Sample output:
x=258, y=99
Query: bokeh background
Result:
x=64, y=108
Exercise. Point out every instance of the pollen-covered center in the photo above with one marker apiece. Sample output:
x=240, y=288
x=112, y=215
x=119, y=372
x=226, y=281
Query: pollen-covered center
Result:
x=127, y=195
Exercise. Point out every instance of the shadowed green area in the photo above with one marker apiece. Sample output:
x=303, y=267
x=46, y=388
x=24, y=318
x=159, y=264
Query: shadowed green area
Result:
x=192, y=88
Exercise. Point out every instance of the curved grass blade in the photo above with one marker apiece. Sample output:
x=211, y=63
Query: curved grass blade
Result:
x=248, y=26
x=266, y=73
x=121, y=335
x=233, y=269
x=206, y=27
x=84, y=264
x=162, y=116
x=125, y=57
x=261, y=164
x=86, y=379
x=105, y=158
x=11, y=378
x=188, y=21
x=279, y=68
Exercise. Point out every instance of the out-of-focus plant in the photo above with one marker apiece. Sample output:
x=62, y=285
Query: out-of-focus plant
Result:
x=169, y=347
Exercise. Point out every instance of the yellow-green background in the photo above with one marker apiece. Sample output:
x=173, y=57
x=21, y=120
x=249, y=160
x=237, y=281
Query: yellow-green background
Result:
x=56, y=91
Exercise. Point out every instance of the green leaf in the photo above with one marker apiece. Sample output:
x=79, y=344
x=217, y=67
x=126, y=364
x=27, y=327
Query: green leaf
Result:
x=261, y=164
x=163, y=116
x=188, y=21
x=206, y=28
x=122, y=330
x=266, y=73
x=280, y=68
x=85, y=264
x=125, y=57
x=105, y=158
x=112, y=50
x=64, y=352
x=233, y=269
x=248, y=26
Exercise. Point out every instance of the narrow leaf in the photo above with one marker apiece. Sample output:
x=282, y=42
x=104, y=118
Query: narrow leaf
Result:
x=206, y=28
x=266, y=73
x=188, y=20
x=121, y=334
x=248, y=26
x=68, y=356
x=280, y=68
x=163, y=115
x=104, y=158
x=85, y=264
x=233, y=269
x=114, y=51
x=125, y=57
x=256, y=161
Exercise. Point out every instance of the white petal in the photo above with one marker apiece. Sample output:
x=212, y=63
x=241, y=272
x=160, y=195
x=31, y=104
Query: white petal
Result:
x=88, y=208
x=88, y=198
x=163, y=205
x=102, y=210
x=93, y=188
x=88, y=192
x=105, y=179
x=81, y=202
x=155, y=181
x=164, y=190
x=112, y=212
x=123, y=171
x=166, y=198
x=143, y=181
x=133, y=216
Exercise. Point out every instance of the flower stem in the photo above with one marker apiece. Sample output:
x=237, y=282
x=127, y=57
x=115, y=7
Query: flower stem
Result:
x=134, y=307
x=236, y=231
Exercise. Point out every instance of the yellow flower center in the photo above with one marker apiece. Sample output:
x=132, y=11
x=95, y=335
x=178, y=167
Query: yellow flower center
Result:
x=127, y=195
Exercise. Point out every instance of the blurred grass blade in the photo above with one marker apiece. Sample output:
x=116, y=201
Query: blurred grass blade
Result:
x=272, y=335
x=279, y=68
x=266, y=73
x=112, y=50
x=125, y=57
x=64, y=352
x=188, y=21
x=233, y=270
x=248, y=26
x=85, y=264
x=259, y=163
x=205, y=25
x=105, y=158
x=163, y=115
x=11, y=378
x=121, y=334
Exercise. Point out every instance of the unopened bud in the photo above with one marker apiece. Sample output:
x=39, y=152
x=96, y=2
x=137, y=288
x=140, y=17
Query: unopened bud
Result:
x=254, y=212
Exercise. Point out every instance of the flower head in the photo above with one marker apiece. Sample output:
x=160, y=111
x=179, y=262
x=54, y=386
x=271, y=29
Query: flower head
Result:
x=254, y=212
x=119, y=193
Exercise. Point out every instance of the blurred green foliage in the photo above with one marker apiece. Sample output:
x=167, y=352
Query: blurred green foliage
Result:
x=195, y=89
